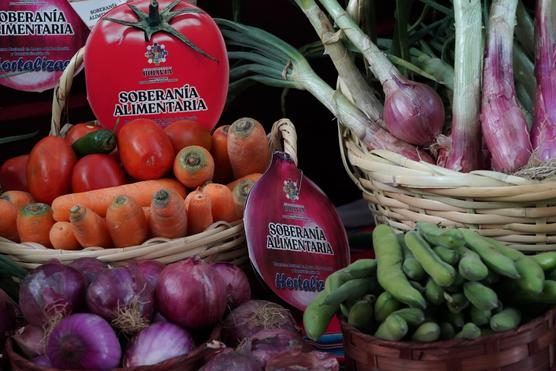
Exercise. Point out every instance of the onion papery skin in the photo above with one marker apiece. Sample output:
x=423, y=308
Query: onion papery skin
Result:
x=237, y=283
x=89, y=268
x=157, y=343
x=118, y=294
x=267, y=344
x=84, y=341
x=50, y=292
x=413, y=112
x=191, y=293
x=231, y=361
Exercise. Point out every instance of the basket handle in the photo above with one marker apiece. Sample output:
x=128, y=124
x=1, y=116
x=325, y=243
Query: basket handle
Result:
x=62, y=90
x=284, y=137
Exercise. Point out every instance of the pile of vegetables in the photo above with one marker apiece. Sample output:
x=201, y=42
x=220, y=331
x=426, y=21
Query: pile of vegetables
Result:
x=98, y=188
x=458, y=96
x=88, y=315
x=433, y=284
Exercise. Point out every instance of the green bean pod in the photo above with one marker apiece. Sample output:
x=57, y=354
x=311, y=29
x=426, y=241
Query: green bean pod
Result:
x=385, y=305
x=480, y=296
x=449, y=237
x=532, y=275
x=393, y=328
x=508, y=319
x=470, y=266
x=469, y=331
x=448, y=255
x=427, y=332
x=317, y=316
x=352, y=289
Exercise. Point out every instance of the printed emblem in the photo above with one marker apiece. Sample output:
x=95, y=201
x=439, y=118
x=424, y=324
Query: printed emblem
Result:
x=291, y=190
x=156, y=53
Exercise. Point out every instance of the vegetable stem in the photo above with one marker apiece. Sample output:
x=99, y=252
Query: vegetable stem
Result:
x=503, y=123
x=464, y=149
x=524, y=71
x=363, y=95
x=525, y=30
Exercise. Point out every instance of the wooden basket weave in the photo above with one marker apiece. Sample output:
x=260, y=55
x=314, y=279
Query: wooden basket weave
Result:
x=529, y=348
x=220, y=242
x=515, y=210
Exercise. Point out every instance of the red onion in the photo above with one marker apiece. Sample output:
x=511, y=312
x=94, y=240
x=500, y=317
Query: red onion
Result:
x=42, y=361
x=543, y=134
x=51, y=292
x=310, y=361
x=413, y=112
x=31, y=340
x=503, y=123
x=231, y=361
x=150, y=269
x=254, y=316
x=237, y=284
x=191, y=293
x=267, y=344
x=122, y=297
x=7, y=315
x=89, y=268
x=157, y=343
x=83, y=341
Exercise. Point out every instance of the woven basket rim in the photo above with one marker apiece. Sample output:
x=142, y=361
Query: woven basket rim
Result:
x=414, y=345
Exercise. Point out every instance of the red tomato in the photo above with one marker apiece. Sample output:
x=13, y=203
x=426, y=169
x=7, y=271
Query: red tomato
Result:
x=96, y=171
x=49, y=169
x=163, y=78
x=80, y=130
x=145, y=150
x=13, y=173
x=185, y=133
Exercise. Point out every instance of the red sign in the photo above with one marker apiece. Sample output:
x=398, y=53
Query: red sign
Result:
x=37, y=40
x=294, y=235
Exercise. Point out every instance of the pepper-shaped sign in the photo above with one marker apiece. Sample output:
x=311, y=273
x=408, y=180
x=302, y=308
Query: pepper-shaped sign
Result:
x=294, y=235
x=37, y=40
x=158, y=60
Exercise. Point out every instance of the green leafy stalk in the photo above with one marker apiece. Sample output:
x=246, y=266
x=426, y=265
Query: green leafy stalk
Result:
x=15, y=138
x=400, y=45
x=525, y=30
x=524, y=72
x=363, y=95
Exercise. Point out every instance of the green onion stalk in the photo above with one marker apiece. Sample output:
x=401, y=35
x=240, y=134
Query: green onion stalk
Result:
x=363, y=95
x=269, y=60
x=413, y=111
x=503, y=123
x=462, y=150
x=543, y=134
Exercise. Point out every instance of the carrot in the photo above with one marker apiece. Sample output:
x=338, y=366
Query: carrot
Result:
x=8, y=220
x=147, y=212
x=199, y=212
x=240, y=193
x=98, y=200
x=248, y=147
x=168, y=217
x=193, y=166
x=221, y=201
x=219, y=151
x=62, y=237
x=34, y=222
x=126, y=222
x=89, y=228
x=18, y=198
x=254, y=177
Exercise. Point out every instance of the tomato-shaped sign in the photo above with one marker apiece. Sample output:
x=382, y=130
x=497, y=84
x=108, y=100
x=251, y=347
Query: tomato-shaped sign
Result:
x=295, y=237
x=37, y=40
x=163, y=61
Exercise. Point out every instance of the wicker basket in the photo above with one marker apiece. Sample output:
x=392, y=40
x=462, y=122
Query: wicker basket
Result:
x=189, y=362
x=529, y=348
x=220, y=242
x=517, y=211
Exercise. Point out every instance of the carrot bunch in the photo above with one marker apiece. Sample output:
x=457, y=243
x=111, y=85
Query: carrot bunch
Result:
x=211, y=179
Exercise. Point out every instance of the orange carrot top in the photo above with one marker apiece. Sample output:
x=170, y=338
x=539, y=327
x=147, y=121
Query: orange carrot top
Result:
x=34, y=222
x=89, y=228
x=62, y=237
x=193, y=166
x=168, y=217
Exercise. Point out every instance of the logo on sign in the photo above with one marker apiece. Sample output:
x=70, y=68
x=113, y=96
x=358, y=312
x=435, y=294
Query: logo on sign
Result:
x=291, y=190
x=156, y=53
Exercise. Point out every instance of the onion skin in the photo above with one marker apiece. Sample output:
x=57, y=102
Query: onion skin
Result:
x=51, y=290
x=267, y=344
x=309, y=361
x=543, y=133
x=157, y=343
x=89, y=268
x=31, y=340
x=254, y=316
x=237, y=283
x=231, y=361
x=191, y=293
x=84, y=341
x=150, y=269
x=7, y=316
x=413, y=112
x=42, y=361
x=503, y=123
x=119, y=289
